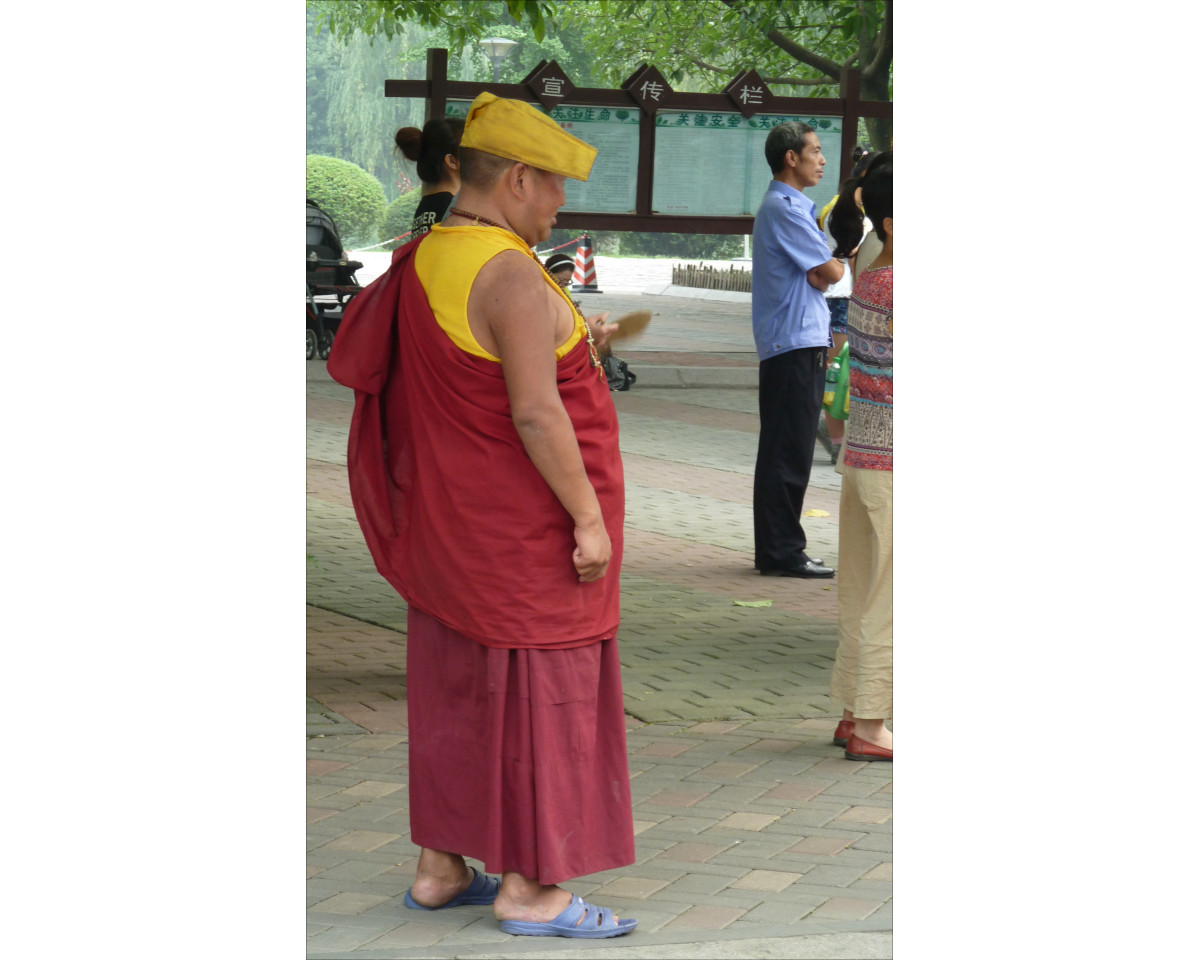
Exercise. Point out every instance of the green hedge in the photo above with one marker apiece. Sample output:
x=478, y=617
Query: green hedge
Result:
x=675, y=246
x=684, y=246
x=349, y=194
x=397, y=219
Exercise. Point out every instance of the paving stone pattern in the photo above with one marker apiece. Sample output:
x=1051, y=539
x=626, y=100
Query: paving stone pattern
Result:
x=750, y=823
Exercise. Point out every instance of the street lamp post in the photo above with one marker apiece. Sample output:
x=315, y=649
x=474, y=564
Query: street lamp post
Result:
x=497, y=48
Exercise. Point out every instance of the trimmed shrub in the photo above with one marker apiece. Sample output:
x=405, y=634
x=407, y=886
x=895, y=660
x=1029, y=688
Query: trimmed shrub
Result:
x=347, y=193
x=397, y=219
x=685, y=246
x=674, y=246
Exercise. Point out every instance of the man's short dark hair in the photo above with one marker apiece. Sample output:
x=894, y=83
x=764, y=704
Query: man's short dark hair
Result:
x=781, y=139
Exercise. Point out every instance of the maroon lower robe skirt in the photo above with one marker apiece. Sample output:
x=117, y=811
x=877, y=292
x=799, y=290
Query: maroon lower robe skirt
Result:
x=517, y=757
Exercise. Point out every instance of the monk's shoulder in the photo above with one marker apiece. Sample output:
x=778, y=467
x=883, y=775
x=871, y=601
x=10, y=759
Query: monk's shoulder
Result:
x=510, y=279
x=508, y=266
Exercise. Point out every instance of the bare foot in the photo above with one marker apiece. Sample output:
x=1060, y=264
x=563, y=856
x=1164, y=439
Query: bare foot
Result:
x=440, y=878
x=529, y=901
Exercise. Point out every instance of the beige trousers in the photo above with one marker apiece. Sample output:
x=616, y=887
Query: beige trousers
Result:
x=862, y=673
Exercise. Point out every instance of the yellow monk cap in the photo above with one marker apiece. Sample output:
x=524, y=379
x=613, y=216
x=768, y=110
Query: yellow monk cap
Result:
x=515, y=130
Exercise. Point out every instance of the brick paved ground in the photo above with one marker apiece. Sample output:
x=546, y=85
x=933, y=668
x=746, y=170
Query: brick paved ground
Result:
x=751, y=826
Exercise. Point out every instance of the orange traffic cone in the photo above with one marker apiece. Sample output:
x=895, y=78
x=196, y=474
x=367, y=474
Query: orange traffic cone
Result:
x=583, y=280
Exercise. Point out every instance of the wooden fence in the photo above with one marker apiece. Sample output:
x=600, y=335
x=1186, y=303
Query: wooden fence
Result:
x=710, y=278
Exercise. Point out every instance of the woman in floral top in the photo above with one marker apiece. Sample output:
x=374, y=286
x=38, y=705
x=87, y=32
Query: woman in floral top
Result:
x=862, y=673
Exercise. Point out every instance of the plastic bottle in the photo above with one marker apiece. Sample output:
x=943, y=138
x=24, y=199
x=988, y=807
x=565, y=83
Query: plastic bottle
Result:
x=831, y=378
x=839, y=403
x=833, y=371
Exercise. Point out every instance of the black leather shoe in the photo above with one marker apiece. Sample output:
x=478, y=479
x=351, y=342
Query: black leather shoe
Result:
x=817, y=560
x=808, y=571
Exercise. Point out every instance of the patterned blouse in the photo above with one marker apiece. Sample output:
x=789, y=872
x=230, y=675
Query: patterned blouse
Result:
x=869, y=425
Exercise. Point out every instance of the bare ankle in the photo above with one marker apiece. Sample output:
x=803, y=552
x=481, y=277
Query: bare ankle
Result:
x=441, y=866
x=441, y=876
x=873, y=731
x=521, y=898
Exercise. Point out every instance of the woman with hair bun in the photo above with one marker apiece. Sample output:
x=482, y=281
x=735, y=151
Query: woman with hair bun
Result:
x=842, y=223
x=434, y=149
x=862, y=669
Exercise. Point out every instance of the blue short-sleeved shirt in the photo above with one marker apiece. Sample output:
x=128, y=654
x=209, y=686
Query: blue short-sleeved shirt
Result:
x=788, y=312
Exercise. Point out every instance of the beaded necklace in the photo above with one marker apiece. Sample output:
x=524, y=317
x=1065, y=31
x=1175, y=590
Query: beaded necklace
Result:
x=478, y=219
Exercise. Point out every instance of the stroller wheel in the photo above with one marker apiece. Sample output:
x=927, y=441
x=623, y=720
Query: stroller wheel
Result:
x=324, y=345
x=312, y=345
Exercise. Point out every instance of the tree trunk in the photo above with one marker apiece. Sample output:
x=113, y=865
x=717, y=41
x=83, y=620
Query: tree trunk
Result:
x=878, y=129
x=875, y=59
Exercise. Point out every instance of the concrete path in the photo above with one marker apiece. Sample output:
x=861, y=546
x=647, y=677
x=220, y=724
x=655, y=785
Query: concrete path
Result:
x=755, y=837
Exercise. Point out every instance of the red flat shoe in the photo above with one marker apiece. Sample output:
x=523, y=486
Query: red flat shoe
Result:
x=860, y=749
x=843, y=733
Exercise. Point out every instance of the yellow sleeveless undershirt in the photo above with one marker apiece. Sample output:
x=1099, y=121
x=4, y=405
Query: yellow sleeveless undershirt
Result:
x=447, y=263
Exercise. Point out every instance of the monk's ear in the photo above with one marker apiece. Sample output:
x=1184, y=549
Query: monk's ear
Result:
x=520, y=177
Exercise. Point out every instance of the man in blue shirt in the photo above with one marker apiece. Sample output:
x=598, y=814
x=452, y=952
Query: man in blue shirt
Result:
x=792, y=269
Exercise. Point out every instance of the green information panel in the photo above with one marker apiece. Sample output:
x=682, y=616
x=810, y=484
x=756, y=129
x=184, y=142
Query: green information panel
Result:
x=613, y=131
x=712, y=164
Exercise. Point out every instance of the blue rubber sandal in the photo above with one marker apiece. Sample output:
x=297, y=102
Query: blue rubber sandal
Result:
x=596, y=924
x=483, y=889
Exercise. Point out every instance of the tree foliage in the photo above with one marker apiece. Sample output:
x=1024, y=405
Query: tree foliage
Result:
x=463, y=21
x=799, y=46
x=347, y=115
x=347, y=193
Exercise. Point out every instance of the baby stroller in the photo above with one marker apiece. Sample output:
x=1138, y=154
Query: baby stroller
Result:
x=331, y=281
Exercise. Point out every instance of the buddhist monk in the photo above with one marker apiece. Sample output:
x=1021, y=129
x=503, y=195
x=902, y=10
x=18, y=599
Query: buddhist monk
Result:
x=486, y=476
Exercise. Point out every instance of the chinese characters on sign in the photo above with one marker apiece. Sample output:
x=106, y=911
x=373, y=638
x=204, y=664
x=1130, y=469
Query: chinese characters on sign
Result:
x=648, y=88
x=749, y=93
x=651, y=90
x=549, y=84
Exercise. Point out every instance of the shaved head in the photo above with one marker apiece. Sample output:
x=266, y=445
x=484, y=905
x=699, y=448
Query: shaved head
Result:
x=481, y=170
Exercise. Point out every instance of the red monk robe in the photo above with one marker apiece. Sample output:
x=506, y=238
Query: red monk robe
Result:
x=455, y=514
x=517, y=750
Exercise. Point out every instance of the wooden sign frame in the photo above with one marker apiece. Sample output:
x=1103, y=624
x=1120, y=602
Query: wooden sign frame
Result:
x=436, y=89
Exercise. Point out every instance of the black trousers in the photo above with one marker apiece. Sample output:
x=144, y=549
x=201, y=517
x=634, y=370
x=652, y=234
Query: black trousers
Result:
x=790, y=386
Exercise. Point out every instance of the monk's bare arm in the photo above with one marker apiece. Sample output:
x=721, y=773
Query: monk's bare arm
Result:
x=511, y=299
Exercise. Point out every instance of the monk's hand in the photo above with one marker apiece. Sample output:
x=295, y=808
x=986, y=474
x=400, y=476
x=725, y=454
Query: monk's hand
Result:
x=593, y=551
x=601, y=331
